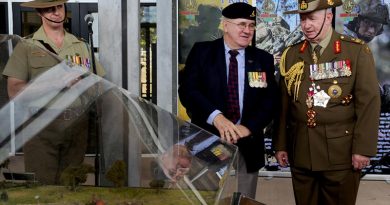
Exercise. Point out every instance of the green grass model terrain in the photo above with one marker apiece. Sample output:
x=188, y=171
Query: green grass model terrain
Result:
x=86, y=195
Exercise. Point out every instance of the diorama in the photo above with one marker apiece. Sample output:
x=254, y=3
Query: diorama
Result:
x=72, y=137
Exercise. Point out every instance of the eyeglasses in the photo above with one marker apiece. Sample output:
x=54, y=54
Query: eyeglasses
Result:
x=243, y=25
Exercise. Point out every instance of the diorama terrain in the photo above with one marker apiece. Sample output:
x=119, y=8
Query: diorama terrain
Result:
x=86, y=195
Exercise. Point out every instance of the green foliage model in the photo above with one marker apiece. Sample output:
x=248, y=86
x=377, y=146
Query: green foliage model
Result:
x=117, y=173
x=73, y=176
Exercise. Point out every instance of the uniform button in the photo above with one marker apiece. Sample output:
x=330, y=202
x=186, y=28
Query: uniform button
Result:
x=346, y=132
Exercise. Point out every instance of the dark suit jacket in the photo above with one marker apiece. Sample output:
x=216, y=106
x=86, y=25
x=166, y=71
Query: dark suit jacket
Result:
x=203, y=89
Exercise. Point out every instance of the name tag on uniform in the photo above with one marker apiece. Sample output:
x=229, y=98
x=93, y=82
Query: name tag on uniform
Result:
x=38, y=53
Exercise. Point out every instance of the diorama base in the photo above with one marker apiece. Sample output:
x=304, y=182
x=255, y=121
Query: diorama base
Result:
x=86, y=195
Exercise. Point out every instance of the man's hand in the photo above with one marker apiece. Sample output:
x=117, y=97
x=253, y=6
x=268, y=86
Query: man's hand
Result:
x=360, y=161
x=282, y=158
x=227, y=130
x=244, y=130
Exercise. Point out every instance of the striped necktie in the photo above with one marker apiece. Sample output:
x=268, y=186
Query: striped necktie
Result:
x=233, y=106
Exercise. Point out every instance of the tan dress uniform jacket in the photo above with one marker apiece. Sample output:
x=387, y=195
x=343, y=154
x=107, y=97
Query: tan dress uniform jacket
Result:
x=28, y=60
x=63, y=142
x=342, y=129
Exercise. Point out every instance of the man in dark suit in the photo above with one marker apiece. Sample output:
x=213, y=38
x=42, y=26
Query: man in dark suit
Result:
x=228, y=88
x=330, y=109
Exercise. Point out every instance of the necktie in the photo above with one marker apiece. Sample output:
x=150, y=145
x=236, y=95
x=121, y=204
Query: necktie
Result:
x=233, y=106
x=316, y=53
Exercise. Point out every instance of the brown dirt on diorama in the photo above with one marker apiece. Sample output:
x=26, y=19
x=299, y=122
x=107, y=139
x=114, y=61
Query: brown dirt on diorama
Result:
x=53, y=195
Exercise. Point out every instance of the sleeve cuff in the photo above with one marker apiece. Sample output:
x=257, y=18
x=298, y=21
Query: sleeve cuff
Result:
x=211, y=117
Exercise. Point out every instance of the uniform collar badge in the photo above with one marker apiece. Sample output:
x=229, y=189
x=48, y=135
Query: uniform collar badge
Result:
x=337, y=47
x=303, y=47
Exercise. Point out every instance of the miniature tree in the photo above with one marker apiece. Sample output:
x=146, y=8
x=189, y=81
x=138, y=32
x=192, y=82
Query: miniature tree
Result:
x=5, y=164
x=4, y=196
x=157, y=184
x=117, y=173
x=73, y=176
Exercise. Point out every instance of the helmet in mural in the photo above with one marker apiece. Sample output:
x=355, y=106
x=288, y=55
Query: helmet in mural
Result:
x=374, y=11
x=372, y=15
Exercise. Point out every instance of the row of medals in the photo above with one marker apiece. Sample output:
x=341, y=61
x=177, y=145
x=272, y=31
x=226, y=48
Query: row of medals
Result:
x=78, y=60
x=257, y=79
x=318, y=97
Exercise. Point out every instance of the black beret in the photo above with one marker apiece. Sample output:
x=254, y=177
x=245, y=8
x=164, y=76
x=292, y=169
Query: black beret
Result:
x=239, y=10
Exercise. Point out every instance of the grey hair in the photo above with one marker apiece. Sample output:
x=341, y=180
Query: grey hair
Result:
x=225, y=19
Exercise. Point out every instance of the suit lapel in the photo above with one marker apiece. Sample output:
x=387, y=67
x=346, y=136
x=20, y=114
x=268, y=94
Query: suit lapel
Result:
x=250, y=65
x=221, y=66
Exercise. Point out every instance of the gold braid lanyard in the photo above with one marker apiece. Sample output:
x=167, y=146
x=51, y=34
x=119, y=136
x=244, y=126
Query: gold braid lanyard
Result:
x=293, y=75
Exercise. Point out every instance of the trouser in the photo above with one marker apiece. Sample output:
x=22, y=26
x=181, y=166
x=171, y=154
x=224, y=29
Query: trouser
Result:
x=61, y=144
x=247, y=182
x=325, y=187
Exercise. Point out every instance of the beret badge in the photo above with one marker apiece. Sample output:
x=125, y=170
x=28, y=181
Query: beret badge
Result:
x=253, y=14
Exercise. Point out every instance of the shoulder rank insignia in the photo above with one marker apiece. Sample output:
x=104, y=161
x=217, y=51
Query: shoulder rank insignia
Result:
x=356, y=40
x=29, y=36
x=350, y=39
x=81, y=39
x=296, y=44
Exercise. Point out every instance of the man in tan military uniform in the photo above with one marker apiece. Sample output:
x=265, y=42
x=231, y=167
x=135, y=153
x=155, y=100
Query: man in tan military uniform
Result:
x=64, y=141
x=330, y=109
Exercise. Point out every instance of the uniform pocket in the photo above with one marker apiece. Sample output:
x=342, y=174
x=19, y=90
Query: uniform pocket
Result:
x=40, y=62
x=336, y=88
x=339, y=142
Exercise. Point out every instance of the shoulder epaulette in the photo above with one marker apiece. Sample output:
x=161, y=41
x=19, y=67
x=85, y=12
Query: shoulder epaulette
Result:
x=29, y=36
x=81, y=39
x=295, y=43
x=351, y=39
